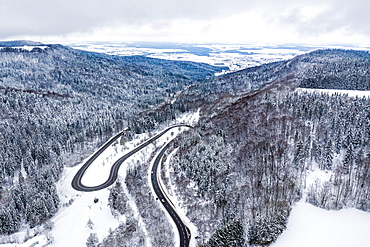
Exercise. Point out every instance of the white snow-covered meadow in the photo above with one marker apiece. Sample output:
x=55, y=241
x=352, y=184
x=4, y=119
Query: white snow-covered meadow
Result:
x=310, y=226
x=234, y=56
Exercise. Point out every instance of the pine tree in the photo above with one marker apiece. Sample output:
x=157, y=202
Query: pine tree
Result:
x=92, y=240
x=348, y=159
x=299, y=154
x=267, y=230
x=230, y=235
x=90, y=224
x=328, y=155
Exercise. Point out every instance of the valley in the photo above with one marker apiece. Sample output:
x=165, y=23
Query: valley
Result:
x=276, y=132
x=234, y=56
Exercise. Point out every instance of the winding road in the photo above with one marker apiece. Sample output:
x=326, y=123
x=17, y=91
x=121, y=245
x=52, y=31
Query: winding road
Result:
x=184, y=231
x=76, y=182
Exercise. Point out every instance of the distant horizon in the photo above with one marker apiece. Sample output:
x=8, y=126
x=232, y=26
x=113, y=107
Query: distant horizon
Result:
x=147, y=42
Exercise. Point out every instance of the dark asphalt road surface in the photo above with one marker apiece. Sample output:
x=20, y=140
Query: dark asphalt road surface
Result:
x=76, y=182
x=183, y=230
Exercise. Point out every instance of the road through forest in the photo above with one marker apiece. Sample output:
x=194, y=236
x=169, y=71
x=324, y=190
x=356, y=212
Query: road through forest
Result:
x=183, y=230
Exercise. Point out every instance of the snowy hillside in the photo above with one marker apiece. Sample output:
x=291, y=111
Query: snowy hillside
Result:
x=83, y=213
x=268, y=144
x=71, y=223
x=310, y=226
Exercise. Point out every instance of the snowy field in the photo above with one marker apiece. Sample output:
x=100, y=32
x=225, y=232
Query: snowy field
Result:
x=309, y=226
x=234, y=56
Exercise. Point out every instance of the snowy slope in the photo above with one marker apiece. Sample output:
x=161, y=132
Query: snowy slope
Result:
x=78, y=208
x=26, y=47
x=71, y=222
x=309, y=226
x=34, y=242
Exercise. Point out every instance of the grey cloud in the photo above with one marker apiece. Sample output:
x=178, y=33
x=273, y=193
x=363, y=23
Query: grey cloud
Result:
x=45, y=17
x=62, y=17
x=320, y=24
x=356, y=15
x=351, y=16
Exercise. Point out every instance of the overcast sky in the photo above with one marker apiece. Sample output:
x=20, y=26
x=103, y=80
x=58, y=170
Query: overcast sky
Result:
x=219, y=21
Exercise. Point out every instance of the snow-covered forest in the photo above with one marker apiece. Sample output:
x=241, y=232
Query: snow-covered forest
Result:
x=57, y=104
x=236, y=174
x=250, y=162
x=252, y=153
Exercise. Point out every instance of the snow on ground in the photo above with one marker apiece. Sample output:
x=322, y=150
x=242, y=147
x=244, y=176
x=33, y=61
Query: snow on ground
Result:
x=310, y=226
x=350, y=93
x=98, y=171
x=37, y=241
x=315, y=176
x=190, y=118
x=71, y=227
x=234, y=56
x=70, y=223
x=181, y=211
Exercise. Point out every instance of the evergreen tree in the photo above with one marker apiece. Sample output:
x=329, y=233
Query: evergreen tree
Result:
x=266, y=231
x=230, y=235
x=90, y=224
x=299, y=154
x=348, y=159
x=92, y=240
x=328, y=155
x=117, y=199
